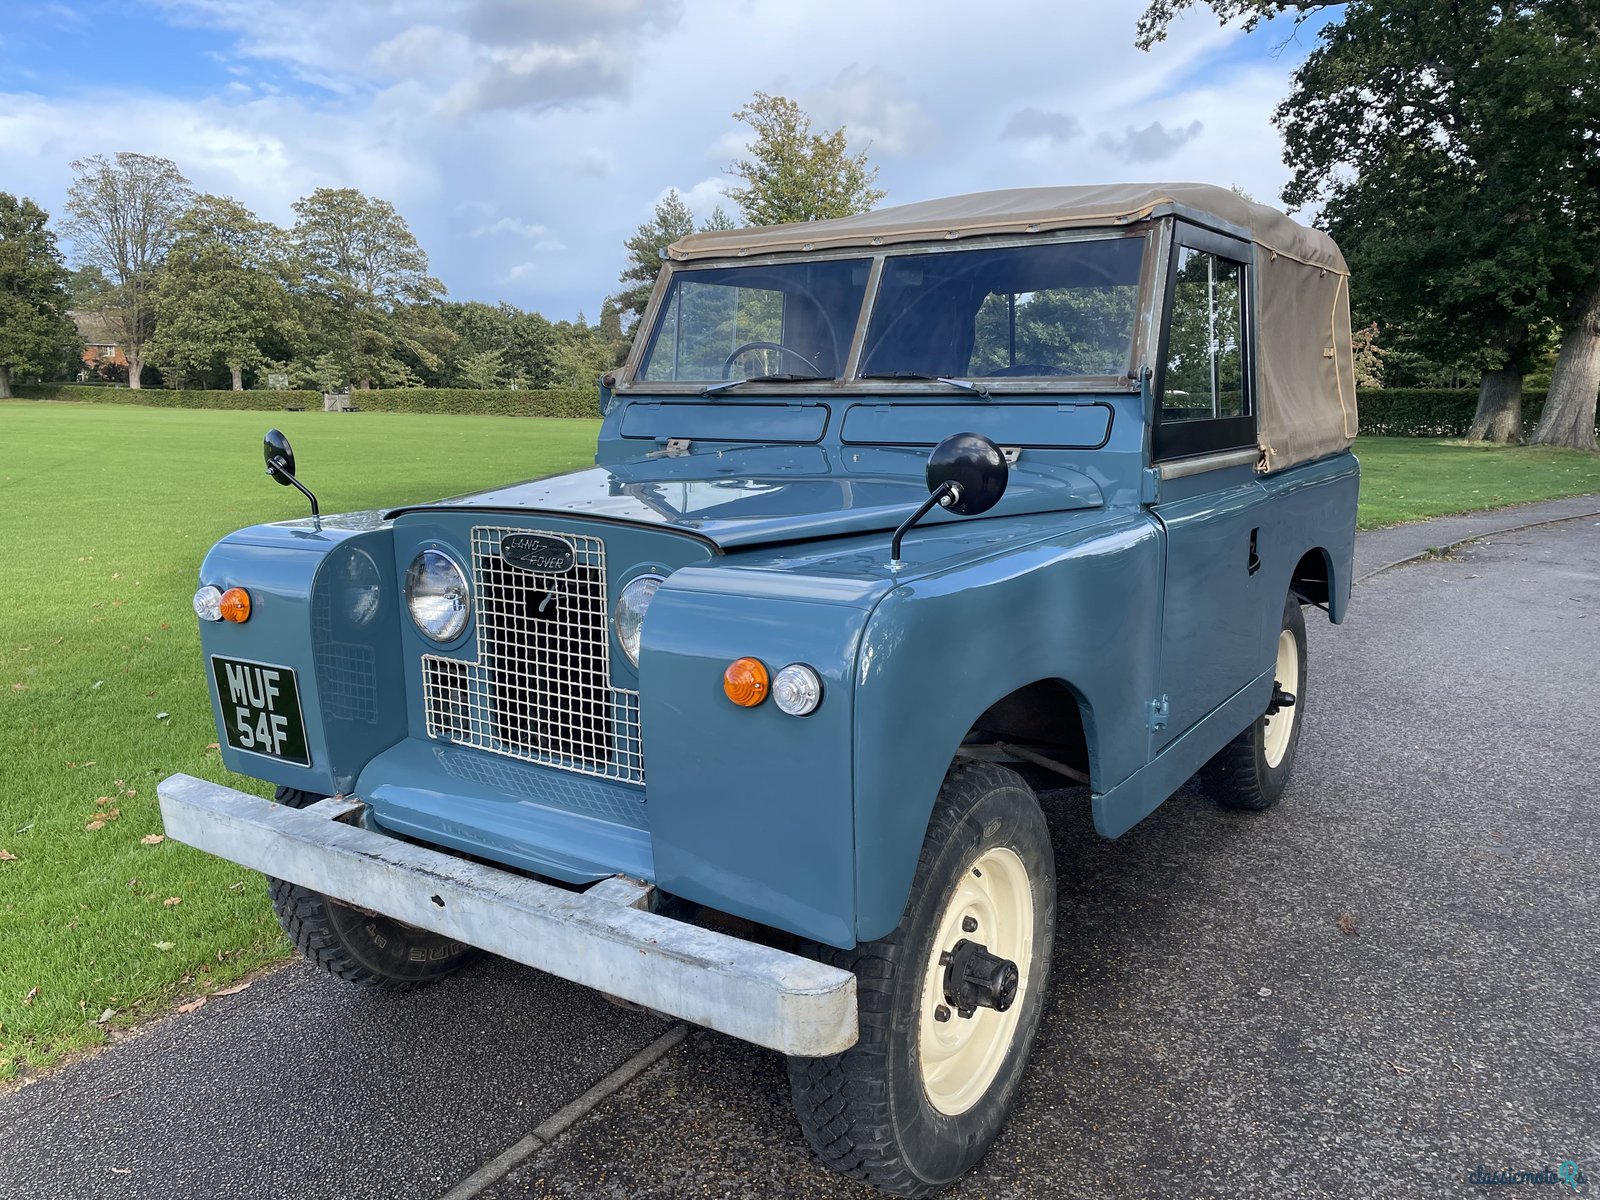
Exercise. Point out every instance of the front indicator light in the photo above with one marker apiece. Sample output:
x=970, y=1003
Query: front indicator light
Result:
x=797, y=690
x=208, y=603
x=235, y=605
x=745, y=682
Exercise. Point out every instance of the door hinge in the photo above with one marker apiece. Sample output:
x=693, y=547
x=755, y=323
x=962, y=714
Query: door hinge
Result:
x=1156, y=713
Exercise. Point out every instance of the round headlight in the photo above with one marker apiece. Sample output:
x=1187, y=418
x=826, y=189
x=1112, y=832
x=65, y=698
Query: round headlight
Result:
x=796, y=690
x=437, y=595
x=631, y=605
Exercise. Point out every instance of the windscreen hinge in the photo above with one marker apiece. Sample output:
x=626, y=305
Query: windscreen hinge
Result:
x=1011, y=453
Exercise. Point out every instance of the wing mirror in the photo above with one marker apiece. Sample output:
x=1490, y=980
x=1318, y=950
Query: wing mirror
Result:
x=967, y=474
x=279, y=456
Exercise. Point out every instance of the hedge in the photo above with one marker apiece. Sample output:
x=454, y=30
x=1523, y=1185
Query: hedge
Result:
x=546, y=402
x=88, y=393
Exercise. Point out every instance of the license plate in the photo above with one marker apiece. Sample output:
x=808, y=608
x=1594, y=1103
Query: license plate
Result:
x=261, y=709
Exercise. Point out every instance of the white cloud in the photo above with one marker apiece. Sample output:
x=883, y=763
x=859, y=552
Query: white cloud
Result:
x=525, y=141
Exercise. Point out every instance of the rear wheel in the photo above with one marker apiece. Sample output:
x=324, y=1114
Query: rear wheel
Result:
x=355, y=945
x=1252, y=771
x=949, y=1001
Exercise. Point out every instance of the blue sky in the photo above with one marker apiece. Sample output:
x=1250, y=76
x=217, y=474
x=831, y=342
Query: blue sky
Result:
x=524, y=141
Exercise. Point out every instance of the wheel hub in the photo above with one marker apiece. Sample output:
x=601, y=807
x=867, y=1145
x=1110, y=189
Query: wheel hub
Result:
x=974, y=979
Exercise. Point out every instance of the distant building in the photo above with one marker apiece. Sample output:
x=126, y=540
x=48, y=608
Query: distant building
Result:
x=102, y=355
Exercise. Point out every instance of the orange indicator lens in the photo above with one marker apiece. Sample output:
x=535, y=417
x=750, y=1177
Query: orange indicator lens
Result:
x=235, y=605
x=745, y=681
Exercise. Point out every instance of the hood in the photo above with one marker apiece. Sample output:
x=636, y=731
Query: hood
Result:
x=757, y=495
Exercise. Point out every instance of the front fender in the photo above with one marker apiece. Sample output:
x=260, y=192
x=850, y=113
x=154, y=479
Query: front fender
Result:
x=1084, y=608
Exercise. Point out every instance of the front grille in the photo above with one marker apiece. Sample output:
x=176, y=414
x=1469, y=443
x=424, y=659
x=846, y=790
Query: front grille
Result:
x=540, y=688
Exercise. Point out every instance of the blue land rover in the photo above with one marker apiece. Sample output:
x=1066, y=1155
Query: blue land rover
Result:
x=891, y=519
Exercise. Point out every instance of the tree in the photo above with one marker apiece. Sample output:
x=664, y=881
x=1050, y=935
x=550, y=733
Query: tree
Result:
x=222, y=293
x=671, y=221
x=36, y=336
x=1455, y=147
x=368, y=292
x=793, y=174
x=121, y=215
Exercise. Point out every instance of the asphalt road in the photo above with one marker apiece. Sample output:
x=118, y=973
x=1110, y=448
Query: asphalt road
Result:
x=1213, y=1032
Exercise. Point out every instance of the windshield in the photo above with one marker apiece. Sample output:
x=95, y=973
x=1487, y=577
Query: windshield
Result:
x=1059, y=309
x=793, y=319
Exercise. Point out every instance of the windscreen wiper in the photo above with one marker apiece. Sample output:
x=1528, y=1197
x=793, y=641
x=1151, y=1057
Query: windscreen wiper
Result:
x=966, y=385
x=776, y=377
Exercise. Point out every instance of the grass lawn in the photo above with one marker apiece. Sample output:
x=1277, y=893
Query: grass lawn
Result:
x=105, y=513
x=1407, y=479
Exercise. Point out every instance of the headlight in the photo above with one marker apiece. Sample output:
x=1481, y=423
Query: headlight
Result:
x=631, y=605
x=437, y=595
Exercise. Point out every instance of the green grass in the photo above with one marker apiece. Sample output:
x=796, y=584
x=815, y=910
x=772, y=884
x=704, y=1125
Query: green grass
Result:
x=1408, y=479
x=105, y=513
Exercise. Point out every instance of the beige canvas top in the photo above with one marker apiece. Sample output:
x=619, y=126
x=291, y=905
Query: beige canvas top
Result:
x=1307, y=405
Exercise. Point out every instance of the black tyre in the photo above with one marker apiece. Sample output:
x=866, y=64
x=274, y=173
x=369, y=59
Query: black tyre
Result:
x=1252, y=771
x=917, y=1101
x=357, y=946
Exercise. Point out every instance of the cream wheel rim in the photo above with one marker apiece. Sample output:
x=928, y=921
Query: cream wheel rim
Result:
x=960, y=1056
x=1279, y=725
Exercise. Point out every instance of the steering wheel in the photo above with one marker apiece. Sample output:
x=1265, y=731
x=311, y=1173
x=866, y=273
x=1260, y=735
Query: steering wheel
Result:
x=727, y=366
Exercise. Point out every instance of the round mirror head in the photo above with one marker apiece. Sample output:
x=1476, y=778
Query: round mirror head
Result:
x=279, y=454
x=975, y=465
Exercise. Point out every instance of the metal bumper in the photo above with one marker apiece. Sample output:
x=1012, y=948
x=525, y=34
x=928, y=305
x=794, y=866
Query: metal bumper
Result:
x=596, y=937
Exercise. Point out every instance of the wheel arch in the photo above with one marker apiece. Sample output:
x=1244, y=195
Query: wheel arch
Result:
x=1315, y=581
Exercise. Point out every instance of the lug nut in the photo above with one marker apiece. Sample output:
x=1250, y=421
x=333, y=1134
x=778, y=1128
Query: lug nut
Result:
x=941, y=1013
x=969, y=924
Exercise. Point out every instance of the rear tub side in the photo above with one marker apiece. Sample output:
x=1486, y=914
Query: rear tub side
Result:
x=1078, y=607
x=1311, y=507
x=323, y=604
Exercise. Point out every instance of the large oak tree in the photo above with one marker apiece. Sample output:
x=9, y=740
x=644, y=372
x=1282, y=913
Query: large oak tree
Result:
x=793, y=174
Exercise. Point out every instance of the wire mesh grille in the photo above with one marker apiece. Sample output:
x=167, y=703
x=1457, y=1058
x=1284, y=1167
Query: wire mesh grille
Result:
x=540, y=688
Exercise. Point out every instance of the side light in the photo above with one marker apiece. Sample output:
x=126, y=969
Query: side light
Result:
x=208, y=603
x=797, y=690
x=235, y=605
x=745, y=682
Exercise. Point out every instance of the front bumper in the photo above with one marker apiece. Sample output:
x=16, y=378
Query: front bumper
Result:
x=596, y=937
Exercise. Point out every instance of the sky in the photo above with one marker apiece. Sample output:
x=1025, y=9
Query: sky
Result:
x=525, y=140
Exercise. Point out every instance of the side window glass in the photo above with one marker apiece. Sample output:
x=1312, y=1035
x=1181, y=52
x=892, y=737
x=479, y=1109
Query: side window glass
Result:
x=1205, y=342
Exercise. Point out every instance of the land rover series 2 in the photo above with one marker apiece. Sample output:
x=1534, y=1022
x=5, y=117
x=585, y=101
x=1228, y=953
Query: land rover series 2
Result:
x=892, y=517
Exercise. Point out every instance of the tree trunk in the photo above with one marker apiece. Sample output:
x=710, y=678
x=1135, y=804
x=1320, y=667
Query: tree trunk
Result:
x=1568, y=417
x=5, y=383
x=1499, y=416
x=364, y=386
x=135, y=369
x=238, y=378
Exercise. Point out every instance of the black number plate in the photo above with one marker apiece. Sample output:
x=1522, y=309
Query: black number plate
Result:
x=261, y=709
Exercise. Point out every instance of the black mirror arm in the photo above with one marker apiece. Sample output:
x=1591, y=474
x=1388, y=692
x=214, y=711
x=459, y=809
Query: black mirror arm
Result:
x=275, y=470
x=946, y=494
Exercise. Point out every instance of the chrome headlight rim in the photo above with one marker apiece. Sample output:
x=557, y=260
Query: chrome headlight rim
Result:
x=455, y=625
x=633, y=601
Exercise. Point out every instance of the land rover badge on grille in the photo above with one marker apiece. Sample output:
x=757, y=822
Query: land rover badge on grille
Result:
x=536, y=552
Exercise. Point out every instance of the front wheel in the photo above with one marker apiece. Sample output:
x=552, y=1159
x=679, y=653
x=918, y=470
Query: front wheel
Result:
x=949, y=1001
x=1252, y=771
x=355, y=945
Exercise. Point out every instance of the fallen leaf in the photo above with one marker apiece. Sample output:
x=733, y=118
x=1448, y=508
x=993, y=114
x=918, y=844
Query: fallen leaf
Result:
x=7, y=856
x=193, y=1005
x=102, y=799
x=19, y=687
x=213, y=746
x=106, y=1016
x=164, y=945
x=122, y=1170
x=236, y=887
x=162, y=716
x=231, y=991
x=171, y=900
x=31, y=996
x=98, y=684
x=152, y=839
x=1346, y=923
x=93, y=825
